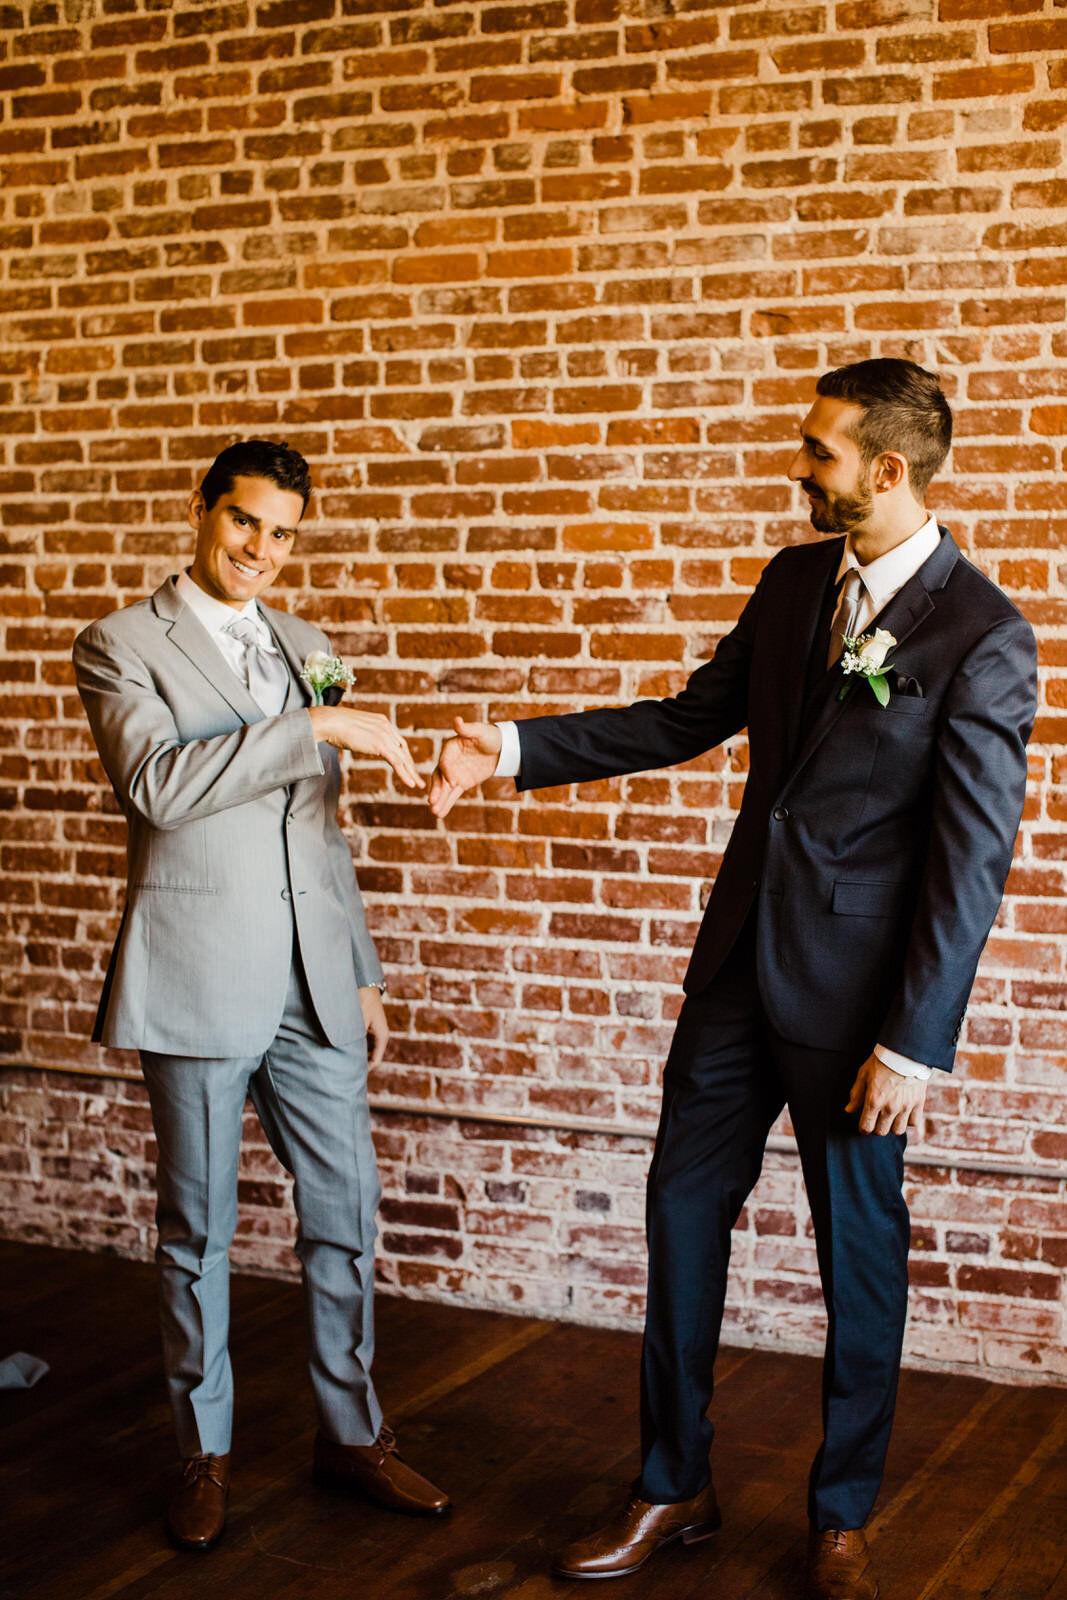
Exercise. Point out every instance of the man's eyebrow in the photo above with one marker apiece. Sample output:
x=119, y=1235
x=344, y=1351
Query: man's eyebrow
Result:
x=257, y=522
x=250, y=516
x=813, y=439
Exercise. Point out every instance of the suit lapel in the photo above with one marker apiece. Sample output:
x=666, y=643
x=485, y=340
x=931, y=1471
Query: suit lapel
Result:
x=908, y=609
x=194, y=642
x=799, y=626
x=281, y=626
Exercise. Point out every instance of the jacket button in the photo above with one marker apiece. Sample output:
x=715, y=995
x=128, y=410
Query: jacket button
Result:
x=286, y=895
x=780, y=813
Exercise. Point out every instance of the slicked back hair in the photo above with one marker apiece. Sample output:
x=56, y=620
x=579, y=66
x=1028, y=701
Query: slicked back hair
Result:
x=904, y=409
x=256, y=458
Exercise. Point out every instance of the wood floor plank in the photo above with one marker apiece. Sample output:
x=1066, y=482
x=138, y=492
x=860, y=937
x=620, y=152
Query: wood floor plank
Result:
x=1016, y=1547
x=533, y=1428
x=919, y=1534
x=273, y=1454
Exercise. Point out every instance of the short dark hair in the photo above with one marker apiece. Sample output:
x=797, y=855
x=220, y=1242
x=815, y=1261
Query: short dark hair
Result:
x=904, y=409
x=256, y=458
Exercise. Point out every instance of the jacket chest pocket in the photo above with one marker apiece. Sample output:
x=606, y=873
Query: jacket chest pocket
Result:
x=913, y=707
x=904, y=762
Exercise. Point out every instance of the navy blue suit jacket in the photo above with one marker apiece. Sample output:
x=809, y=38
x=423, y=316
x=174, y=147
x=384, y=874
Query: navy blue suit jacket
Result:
x=876, y=840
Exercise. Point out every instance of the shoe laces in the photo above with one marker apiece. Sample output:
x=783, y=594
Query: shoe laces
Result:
x=387, y=1442
x=839, y=1537
x=203, y=1467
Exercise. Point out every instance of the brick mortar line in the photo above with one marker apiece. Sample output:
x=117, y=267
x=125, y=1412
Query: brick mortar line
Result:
x=774, y=1146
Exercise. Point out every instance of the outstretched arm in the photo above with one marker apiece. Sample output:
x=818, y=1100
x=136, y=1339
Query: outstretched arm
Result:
x=466, y=761
x=366, y=733
x=170, y=781
x=585, y=745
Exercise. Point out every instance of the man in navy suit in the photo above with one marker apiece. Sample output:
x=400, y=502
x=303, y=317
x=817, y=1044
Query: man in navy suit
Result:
x=888, y=689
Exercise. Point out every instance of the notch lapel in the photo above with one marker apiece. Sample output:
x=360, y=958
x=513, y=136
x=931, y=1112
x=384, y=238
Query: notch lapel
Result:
x=195, y=644
x=280, y=624
x=799, y=625
x=909, y=607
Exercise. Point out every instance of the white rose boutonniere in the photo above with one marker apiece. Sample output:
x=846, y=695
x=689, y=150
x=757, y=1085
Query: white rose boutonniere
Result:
x=324, y=673
x=865, y=657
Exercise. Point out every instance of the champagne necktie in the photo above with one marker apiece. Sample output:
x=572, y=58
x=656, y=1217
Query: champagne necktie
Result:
x=266, y=674
x=844, y=623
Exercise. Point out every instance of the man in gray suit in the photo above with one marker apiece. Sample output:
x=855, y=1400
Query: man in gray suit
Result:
x=243, y=965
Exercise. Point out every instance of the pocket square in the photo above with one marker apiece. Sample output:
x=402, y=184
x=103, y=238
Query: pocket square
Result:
x=908, y=686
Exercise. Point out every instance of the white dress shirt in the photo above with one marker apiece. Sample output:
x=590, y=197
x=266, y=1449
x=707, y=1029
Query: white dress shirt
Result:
x=215, y=616
x=887, y=575
x=882, y=579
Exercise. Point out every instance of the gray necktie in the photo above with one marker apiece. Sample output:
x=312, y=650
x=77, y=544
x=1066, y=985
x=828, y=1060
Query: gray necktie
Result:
x=266, y=674
x=844, y=623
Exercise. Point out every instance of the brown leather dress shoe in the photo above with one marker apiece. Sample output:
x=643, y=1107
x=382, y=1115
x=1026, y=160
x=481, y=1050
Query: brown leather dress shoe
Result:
x=378, y=1471
x=197, y=1514
x=639, y=1530
x=839, y=1567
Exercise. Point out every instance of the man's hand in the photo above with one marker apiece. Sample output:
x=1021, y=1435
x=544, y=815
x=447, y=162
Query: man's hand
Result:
x=466, y=761
x=370, y=998
x=368, y=734
x=886, y=1100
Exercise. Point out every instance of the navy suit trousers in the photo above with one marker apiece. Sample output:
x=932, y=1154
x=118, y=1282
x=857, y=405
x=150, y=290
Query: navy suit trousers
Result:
x=727, y=1078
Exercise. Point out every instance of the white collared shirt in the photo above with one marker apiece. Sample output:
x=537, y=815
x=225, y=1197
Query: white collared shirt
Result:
x=882, y=579
x=215, y=617
x=886, y=575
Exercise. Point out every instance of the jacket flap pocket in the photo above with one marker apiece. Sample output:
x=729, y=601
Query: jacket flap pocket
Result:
x=171, y=888
x=852, y=899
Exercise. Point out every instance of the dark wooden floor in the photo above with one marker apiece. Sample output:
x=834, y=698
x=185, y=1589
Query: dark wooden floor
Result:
x=530, y=1425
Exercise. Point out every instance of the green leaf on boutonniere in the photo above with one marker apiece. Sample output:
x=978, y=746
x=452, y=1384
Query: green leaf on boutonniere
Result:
x=322, y=672
x=865, y=657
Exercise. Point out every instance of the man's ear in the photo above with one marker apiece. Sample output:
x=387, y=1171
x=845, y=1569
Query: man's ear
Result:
x=890, y=471
x=195, y=509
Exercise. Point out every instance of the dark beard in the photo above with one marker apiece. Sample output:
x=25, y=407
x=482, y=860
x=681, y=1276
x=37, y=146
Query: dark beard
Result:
x=841, y=513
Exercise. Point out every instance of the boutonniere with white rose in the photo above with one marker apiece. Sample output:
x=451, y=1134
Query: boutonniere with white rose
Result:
x=326, y=675
x=865, y=657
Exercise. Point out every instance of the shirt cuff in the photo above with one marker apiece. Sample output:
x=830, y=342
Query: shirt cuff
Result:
x=904, y=1065
x=509, y=761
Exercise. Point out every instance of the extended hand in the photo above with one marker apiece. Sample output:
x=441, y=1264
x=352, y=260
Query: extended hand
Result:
x=886, y=1100
x=466, y=761
x=370, y=999
x=368, y=734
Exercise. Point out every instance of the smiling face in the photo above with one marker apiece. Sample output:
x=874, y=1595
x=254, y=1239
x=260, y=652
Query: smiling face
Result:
x=830, y=468
x=244, y=539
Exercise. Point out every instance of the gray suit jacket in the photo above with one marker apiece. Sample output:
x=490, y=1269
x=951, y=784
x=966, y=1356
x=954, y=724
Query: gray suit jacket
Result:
x=232, y=840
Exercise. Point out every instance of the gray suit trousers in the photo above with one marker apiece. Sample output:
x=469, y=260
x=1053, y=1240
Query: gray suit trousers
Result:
x=311, y=1099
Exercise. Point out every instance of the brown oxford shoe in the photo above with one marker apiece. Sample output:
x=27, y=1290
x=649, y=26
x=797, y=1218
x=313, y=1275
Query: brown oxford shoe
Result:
x=638, y=1531
x=378, y=1471
x=197, y=1514
x=839, y=1567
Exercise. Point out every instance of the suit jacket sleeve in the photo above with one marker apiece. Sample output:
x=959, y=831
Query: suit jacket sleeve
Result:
x=151, y=769
x=979, y=785
x=585, y=745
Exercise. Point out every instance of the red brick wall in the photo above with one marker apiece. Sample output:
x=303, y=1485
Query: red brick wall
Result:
x=541, y=290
